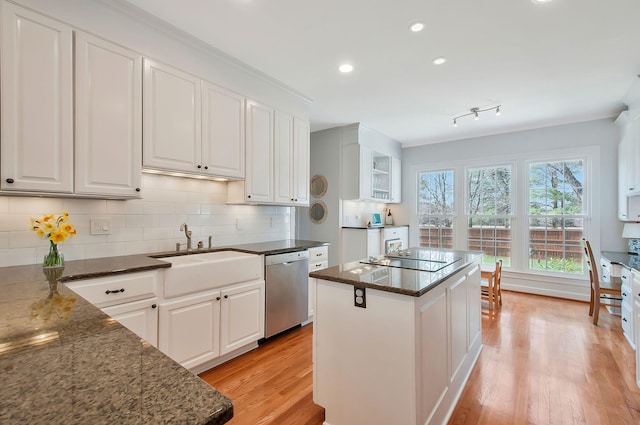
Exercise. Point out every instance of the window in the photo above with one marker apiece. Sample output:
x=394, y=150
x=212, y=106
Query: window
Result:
x=436, y=208
x=556, y=216
x=489, y=206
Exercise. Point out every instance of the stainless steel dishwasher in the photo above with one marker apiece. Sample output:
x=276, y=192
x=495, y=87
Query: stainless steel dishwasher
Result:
x=286, y=291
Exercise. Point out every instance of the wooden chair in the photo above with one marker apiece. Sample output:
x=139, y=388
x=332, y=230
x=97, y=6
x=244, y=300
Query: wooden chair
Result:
x=598, y=288
x=491, y=291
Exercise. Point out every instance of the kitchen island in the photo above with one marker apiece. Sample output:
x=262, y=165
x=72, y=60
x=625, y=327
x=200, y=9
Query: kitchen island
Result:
x=393, y=342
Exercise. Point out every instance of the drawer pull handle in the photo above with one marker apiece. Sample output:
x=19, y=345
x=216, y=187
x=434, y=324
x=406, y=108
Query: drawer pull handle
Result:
x=319, y=255
x=109, y=291
x=217, y=298
x=226, y=296
x=625, y=319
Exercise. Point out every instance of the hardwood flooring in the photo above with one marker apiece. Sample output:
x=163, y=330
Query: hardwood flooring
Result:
x=543, y=362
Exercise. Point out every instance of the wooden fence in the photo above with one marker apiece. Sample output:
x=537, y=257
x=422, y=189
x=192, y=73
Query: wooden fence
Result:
x=545, y=243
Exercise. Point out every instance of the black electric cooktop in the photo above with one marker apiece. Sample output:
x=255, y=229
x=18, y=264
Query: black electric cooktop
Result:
x=421, y=259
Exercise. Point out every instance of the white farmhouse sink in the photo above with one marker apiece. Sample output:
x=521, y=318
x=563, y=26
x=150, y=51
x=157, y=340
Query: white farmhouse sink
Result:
x=199, y=272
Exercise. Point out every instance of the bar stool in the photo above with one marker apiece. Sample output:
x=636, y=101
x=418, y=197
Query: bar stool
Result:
x=492, y=291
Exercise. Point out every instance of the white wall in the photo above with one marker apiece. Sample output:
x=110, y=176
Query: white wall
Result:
x=598, y=136
x=142, y=225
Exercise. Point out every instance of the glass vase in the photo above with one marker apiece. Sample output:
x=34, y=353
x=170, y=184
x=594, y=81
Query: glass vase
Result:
x=54, y=258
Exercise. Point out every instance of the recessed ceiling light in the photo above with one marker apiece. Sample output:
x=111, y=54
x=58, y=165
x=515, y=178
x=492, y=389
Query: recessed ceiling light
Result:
x=416, y=26
x=345, y=68
x=440, y=60
x=540, y=1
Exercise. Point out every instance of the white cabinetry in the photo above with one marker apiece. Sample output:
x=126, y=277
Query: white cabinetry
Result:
x=129, y=298
x=369, y=175
x=241, y=316
x=198, y=328
x=399, y=233
x=627, y=306
x=259, y=156
x=191, y=125
x=635, y=290
x=318, y=260
x=37, y=103
x=190, y=328
x=172, y=119
x=277, y=159
x=396, y=181
x=108, y=118
x=222, y=131
x=291, y=158
x=37, y=147
x=434, y=341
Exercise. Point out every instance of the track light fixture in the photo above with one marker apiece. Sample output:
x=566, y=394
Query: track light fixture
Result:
x=476, y=113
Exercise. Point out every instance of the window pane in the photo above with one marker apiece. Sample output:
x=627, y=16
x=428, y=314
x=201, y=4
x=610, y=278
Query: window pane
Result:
x=556, y=188
x=489, y=191
x=492, y=236
x=555, y=244
x=556, y=216
x=436, y=208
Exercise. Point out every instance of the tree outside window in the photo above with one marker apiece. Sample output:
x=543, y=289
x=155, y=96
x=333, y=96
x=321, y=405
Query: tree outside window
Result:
x=436, y=208
x=489, y=207
x=556, y=216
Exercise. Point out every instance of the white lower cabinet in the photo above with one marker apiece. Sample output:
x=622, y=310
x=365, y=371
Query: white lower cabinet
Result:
x=128, y=298
x=190, y=328
x=198, y=328
x=626, y=306
x=318, y=260
x=141, y=317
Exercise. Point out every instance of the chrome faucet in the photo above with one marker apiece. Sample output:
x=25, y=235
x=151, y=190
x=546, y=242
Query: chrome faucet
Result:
x=187, y=233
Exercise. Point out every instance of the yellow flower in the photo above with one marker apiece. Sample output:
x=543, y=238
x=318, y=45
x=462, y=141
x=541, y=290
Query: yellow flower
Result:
x=54, y=228
x=57, y=237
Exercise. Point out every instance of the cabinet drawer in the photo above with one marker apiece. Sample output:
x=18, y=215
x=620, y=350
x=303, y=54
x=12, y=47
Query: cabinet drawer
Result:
x=318, y=266
x=318, y=254
x=609, y=270
x=627, y=277
x=112, y=290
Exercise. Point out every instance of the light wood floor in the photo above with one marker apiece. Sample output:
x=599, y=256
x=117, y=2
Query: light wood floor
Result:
x=543, y=362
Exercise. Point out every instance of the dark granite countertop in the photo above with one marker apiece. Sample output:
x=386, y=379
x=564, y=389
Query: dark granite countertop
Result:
x=67, y=362
x=392, y=279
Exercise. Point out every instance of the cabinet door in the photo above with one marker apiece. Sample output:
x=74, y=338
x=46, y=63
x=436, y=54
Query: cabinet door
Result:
x=189, y=329
x=373, y=242
x=108, y=118
x=222, y=132
x=141, y=317
x=396, y=181
x=283, y=158
x=259, y=153
x=172, y=119
x=242, y=316
x=365, y=176
x=623, y=204
x=633, y=166
x=37, y=103
x=457, y=295
x=636, y=327
x=474, y=306
x=301, y=176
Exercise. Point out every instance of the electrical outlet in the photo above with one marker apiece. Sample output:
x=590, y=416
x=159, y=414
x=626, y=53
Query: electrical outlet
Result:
x=100, y=225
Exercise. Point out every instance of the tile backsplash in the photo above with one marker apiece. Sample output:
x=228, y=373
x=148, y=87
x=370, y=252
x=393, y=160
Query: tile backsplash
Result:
x=150, y=224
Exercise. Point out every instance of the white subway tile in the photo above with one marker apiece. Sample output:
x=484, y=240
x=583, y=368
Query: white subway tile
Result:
x=85, y=206
x=132, y=206
x=155, y=233
x=4, y=240
x=18, y=257
x=4, y=204
x=104, y=250
x=35, y=206
x=126, y=235
x=158, y=208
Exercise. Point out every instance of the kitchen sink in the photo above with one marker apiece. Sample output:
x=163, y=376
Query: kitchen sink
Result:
x=210, y=270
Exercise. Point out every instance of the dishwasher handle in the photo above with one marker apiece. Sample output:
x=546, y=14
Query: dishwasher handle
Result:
x=286, y=258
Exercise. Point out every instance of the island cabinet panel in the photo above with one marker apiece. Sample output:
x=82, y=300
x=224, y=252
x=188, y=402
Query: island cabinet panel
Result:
x=435, y=354
x=401, y=359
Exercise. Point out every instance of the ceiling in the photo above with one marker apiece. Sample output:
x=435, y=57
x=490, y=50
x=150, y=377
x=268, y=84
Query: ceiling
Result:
x=559, y=62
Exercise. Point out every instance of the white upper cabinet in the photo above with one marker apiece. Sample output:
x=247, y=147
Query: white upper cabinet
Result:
x=259, y=153
x=108, y=118
x=283, y=158
x=37, y=103
x=301, y=165
x=222, y=131
x=191, y=125
x=172, y=119
x=291, y=160
x=396, y=181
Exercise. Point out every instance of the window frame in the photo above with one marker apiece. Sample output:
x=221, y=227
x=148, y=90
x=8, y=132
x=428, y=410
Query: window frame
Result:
x=453, y=216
